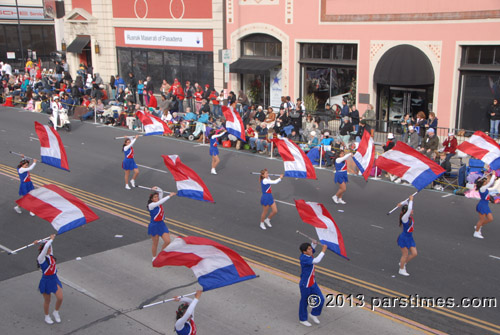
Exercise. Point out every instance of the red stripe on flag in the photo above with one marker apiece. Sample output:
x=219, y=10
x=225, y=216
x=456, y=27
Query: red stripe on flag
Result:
x=391, y=166
x=87, y=212
x=241, y=266
x=473, y=150
x=42, y=135
x=228, y=114
x=406, y=149
x=285, y=153
x=175, y=258
x=41, y=208
x=64, y=158
x=308, y=215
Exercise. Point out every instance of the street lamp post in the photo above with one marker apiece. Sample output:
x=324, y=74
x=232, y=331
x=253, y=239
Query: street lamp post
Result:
x=19, y=33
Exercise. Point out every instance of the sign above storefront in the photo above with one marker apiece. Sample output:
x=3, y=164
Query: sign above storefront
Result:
x=25, y=13
x=164, y=38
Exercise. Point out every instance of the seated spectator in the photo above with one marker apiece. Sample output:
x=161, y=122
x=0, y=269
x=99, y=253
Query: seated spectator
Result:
x=270, y=118
x=164, y=104
x=326, y=146
x=362, y=127
x=313, y=140
x=91, y=110
x=202, y=121
x=450, y=145
x=153, y=103
x=390, y=142
x=345, y=129
x=281, y=121
x=251, y=136
x=261, y=142
x=412, y=137
x=120, y=97
x=205, y=107
x=294, y=137
x=260, y=115
x=446, y=165
x=308, y=125
x=430, y=143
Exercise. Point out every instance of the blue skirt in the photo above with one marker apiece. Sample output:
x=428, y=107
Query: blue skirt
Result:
x=267, y=199
x=25, y=188
x=157, y=228
x=49, y=284
x=129, y=164
x=483, y=207
x=406, y=241
x=214, y=151
x=341, y=177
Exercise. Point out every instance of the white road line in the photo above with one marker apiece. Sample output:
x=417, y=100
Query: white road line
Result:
x=34, y=138
x=5, y=248
x=446, y=195
x=377, y=226
x=496, y=257
x=286, y=203
x=201, y=145
x=240, y=191
x=147, y=167
x=76, y=287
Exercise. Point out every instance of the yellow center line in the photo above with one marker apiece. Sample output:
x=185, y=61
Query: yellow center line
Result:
x=141, y=217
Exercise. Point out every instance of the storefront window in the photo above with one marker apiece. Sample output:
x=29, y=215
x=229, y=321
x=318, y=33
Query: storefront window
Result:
x=481, y=54
x=261, y=45
x=192, y=66
x=478, y=91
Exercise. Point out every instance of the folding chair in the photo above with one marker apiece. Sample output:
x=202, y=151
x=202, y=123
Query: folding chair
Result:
x=475, y=165
x=455, y=179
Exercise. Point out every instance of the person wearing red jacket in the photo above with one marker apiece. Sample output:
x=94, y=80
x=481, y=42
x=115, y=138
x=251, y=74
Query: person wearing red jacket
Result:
x=450, y=146
x=198, y=96
x=176, y=89
x=152, y=100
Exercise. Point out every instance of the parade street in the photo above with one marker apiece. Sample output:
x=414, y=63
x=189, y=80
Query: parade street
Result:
x=109, y=260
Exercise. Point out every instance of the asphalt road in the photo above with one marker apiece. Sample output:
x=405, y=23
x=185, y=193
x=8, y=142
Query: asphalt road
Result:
x=450, y=263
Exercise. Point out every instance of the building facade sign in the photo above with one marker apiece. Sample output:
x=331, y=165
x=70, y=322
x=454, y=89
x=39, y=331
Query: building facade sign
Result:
x=25, y=13
x=164, y=38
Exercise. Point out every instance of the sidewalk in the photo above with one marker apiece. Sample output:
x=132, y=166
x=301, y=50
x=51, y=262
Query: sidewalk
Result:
x=102, y=294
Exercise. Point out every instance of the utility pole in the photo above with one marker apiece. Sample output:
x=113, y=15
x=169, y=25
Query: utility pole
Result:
x=19, y=34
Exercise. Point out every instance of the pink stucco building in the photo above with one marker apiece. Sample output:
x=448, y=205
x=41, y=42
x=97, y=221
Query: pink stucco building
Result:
x=399, y=56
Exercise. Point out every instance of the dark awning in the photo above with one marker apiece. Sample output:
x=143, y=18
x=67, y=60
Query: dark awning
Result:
x=247, y=65
x=404, y=65
x=78, y=44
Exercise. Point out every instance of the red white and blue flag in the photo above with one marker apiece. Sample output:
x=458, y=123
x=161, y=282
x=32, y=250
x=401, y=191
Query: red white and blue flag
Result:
x=51, y=147
x=153, y=125
x=483, y=147
x=410, y=165
x=62, y=209
x=189, y=184
x=212, y=263
x=297, y=164
x=328, y=232
x=234, y=125
x=365, y=155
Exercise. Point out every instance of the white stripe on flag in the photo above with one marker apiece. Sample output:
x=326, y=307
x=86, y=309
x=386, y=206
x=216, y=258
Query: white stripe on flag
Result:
x=53, y=150
x=416, y=166
x=212, y=258
x=365, y=160
x=331, y=231
x=298, y=164
x=189, y=184
x=493, y=152
x=69, y=212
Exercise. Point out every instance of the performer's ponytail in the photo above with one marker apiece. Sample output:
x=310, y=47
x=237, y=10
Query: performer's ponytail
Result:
x=262, y=172
x=404, y=209
x=480, y=182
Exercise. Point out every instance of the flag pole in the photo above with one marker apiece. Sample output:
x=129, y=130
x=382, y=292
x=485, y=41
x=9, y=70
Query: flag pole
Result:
x=271, y=174
x=151, y=189
x=320, y=155
x=166, y=300
x=21, y=155
x=272, y=149
x=306, y=236
x=392, y=210
x=122, y=137
x=376, y=168
x=27, y=246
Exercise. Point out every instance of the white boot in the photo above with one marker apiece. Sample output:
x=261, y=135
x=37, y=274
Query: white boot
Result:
x=335, y=199
x=314, y=318
x=127, y=187
x=403, y=272
x=262, y=226
x=477, y=234
x=268, y=222
x=213, y=171
x=306, y=323
x=132, y=182
x=18, y=210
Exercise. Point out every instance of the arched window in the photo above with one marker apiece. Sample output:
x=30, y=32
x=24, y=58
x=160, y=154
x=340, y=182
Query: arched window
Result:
x=260, y=45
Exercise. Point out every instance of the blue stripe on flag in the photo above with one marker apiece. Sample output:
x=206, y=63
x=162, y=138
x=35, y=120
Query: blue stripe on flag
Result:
x=360, y=167
x=495, y=165
x=225, y=276
x=154, y=133
x=52, y=161
x=235, y=133
x=296, y=174
x=197, y=195
x=333, y=247
x=72, y=225
x=424, y=179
